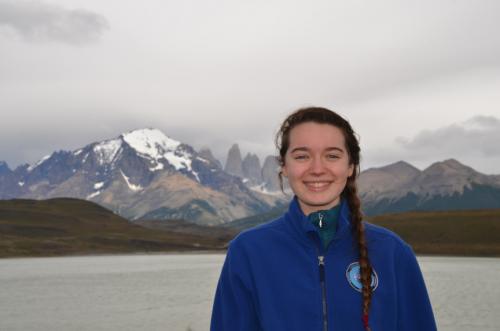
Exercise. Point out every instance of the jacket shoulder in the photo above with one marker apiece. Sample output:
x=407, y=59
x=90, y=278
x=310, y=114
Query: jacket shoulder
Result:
x=379, y=233
x=259, y=232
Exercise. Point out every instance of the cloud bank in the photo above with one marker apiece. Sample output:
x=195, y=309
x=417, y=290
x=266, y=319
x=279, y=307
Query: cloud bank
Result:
x=473, y=142
x=478, y=136
x=41, y=22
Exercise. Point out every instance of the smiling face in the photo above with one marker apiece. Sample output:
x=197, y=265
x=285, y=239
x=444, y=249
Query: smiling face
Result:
x=317, y=165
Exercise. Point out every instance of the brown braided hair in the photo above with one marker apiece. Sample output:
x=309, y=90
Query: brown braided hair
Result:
x=326, y=116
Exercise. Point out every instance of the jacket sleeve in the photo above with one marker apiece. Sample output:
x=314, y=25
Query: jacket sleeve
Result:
x=234, y=307
x=414, y=307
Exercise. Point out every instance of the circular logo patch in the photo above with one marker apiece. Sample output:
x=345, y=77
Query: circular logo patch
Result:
x=354, y=277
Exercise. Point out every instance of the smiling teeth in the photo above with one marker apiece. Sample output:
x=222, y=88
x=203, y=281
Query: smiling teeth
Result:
x=318, y=184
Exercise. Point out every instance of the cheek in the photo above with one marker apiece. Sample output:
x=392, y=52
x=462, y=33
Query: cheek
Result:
x=343, y=172
x=295, y=171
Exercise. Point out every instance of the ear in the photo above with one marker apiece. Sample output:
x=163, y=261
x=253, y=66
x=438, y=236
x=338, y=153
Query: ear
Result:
x=284, y=172
x=351, y=169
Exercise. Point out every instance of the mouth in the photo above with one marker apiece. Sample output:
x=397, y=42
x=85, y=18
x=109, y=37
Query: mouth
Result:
x=317, y=186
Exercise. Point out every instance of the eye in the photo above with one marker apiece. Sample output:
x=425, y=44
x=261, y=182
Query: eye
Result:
x=300, y=157
x=333, y=156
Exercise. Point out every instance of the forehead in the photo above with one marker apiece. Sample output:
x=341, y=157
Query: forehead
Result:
x=316, y=136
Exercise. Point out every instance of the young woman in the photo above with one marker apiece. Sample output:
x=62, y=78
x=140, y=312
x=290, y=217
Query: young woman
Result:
x=319, y=266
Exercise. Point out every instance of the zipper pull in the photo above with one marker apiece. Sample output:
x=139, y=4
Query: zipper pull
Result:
x=321, y=221
x=321, y=260
x=321, y=265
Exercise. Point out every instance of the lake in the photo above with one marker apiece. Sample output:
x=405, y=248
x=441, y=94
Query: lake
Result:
x=175, y=292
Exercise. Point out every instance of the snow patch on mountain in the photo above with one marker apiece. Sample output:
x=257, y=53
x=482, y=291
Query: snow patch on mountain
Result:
x=196, y=175
x=42, y=160
x=156, y=146
x=158, y=166
x=90, y=196
x=130, y=185
x=261, y=188
x=179, y=160
x=107, y=150
x=98, y=185
x=150, y=142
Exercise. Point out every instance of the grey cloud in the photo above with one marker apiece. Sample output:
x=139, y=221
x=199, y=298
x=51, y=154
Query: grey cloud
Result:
x=477, y=136
x=473, y=142
x=483, y=123
x=69, y=131
x=39, y=21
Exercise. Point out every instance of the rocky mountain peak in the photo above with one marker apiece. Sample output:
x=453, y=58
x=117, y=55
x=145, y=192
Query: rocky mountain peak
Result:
x=251, y=169
x=206, y=154
x=234, y=164
x=106, y=151
x=156, y=147
x=39, y=162
x=401, y=166
x=401, y=170
x=450, y=167
x=448, y=177
x=150, y=142
x=4, y=168
x=270, y=171
x=388, y=179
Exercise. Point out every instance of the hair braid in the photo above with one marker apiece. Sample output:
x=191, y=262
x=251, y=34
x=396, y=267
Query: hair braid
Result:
x=354, y=203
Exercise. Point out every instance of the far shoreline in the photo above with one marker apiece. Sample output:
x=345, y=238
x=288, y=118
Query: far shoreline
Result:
x=202, y=252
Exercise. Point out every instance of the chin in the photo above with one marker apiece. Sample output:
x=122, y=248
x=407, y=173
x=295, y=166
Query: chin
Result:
x=320, y=203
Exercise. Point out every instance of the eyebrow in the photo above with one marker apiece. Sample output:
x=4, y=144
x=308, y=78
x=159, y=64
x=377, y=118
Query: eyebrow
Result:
x=305, y=149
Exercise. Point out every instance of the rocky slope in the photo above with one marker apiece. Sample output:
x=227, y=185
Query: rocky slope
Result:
x=446, y=185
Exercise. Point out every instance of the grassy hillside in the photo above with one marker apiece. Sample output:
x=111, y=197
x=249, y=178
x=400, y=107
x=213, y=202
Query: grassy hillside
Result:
x=70, y=226
x=251, y=221
x=220, y=233
x=462, y=232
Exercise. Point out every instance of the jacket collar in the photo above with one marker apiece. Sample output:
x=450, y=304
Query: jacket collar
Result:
x=302, y=227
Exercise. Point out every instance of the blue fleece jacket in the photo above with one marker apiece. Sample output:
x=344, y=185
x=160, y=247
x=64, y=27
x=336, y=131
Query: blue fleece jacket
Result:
x=271, y=280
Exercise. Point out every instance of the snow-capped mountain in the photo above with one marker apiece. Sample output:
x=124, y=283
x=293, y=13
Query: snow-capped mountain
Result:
x=141, y=172
x=442, y=186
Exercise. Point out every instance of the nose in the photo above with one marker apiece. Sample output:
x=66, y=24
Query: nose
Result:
x=317, y=166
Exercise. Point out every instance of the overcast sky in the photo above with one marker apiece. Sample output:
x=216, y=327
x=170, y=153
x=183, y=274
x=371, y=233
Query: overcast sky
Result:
x=419, y=80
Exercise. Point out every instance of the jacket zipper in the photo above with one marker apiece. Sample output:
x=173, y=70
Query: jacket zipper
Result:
x=321, y=264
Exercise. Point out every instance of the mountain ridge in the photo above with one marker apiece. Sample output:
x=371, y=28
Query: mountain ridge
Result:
x=443, y=185
x=144, y=172
x=126, y=174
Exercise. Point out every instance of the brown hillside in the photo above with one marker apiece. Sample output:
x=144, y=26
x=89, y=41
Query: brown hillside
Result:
x=464, y=232
x=65, y=226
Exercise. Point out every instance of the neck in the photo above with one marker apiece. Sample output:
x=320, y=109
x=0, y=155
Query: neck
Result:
x=308, y=209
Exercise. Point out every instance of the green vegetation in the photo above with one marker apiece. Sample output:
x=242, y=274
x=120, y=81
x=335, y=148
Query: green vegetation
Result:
x=251, y=221
x=67, y=226
x=460, y=232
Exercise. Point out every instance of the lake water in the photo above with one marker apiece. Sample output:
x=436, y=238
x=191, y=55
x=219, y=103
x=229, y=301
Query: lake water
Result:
x=175, y=291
